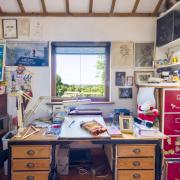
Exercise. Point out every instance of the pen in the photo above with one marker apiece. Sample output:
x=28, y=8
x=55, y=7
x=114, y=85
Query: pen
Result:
x=71, y=123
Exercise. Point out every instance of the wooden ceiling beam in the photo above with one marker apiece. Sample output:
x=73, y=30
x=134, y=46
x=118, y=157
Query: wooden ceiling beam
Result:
x=155, y=12
x=1, y=11
x=67, y=6
x=21, y=6
x=90, y=6
x=43, y=6
x=135, y=6
x=56, y=14
x=112, y=6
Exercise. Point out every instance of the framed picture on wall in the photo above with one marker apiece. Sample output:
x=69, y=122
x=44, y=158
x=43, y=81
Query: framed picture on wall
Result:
x=144, y=55
x=125, y=92
x=142, y=77
x=120, y=78
x=9, y=28
x=129, y=80
x=27, y=53
x=2, y=57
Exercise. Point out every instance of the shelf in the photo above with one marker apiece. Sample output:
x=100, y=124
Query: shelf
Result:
x=171, y=44
x=160, y=85
x=168, y=66
x=175, y=7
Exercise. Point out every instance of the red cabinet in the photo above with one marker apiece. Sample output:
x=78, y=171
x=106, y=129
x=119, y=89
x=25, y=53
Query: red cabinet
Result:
x=173, y=170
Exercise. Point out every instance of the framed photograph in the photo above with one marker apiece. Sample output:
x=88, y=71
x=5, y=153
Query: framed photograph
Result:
x=125, y=92
x=144, y=55
x=129, y=81
x=142, y=77
x=9, y=28
x=2, y=57
x=120, y=78
x=122, y=54
x=27, y=53
x=126, y=124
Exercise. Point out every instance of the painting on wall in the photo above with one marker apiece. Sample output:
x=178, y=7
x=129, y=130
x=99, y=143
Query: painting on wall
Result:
x=125, y=92
x=142, y=76
x=120, y=78
x=144, y=55
x=2, y=46
x=122, y=54
x=27, y=53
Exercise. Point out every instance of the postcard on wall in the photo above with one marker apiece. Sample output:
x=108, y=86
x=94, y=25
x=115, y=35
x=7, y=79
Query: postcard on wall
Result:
x=23, y=27
x=122, y=54
x=2, y=46
x=36, y=29
x=144, y=55
x=27, y=53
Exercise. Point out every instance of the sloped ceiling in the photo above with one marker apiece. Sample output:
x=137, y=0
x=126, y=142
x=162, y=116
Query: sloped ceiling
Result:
x=81, y=8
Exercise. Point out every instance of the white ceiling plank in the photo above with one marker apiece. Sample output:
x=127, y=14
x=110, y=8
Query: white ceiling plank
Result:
x=102, y=6
x=146, y=6
x=9, y=6
x=55, y=5
x=124, y=6
x=81, y=6
x=32, y=5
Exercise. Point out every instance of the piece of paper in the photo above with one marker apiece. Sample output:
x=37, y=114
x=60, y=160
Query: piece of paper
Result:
x=23, y=27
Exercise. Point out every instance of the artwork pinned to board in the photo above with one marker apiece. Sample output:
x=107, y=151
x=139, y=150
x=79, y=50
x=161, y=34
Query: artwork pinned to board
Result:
x=125, y=92
x=27, y=53
x=9, y=28
x=142, y=77
x=122, y=54
x=120, y=78
x=2, y=57
x=144, y=55
x=19, y=79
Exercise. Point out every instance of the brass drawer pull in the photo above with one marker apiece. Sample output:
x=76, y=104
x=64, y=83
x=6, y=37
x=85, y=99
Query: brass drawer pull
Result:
x=30, y=165
x=136, y=176
x=136, y=151
x=31, y=152
x=136, y=163
x=30, y=178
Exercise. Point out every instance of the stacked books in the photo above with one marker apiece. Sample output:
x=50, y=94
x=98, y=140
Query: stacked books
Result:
x=114, y=131
x=141, y=130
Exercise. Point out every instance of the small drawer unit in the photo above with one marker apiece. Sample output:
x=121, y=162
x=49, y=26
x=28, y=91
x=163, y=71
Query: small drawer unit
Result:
x=30, y=162
x=135, y=161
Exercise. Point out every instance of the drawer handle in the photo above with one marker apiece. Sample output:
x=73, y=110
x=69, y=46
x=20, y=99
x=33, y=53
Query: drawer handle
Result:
x=30, y=178
x=136, y=163
x=136, y=151
x=30, y=152
x=136, y=176
x=30, y=165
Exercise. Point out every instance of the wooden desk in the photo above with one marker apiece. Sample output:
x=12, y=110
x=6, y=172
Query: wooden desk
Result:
x=129, y=156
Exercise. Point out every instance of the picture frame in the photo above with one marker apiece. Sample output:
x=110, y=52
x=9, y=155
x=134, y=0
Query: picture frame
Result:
x=27, y=53
x=144, y=54
x=129, y=81
x=9, y=28
x=2, y=60
x=126, y=124
x=125, y=93
x=120, y=78
x=141, y=77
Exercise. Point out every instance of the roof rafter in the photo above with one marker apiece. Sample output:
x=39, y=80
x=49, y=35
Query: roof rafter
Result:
x=67, y=6
x=112, y=6
x=90, y=6
x=43, y=6
x=135, y=6
x=155, y=12
x=21, y=6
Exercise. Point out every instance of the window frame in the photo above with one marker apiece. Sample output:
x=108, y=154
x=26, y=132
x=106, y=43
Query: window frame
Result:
x=55, y=45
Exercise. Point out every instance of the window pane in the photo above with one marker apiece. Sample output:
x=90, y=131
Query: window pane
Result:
x=80, y=75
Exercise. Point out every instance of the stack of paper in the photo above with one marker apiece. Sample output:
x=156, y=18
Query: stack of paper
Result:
x=114, y=131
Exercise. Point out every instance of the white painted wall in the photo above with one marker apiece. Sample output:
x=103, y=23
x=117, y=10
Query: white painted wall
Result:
x=91, y=29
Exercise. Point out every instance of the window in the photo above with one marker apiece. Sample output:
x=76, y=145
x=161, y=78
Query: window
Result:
x=80, y=70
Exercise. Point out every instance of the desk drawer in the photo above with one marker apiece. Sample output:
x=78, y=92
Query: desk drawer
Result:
x=30, y=175
x=31, y=151
x=135, y=175
x=135, y=163
x=30, y=164
x=136, y=150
